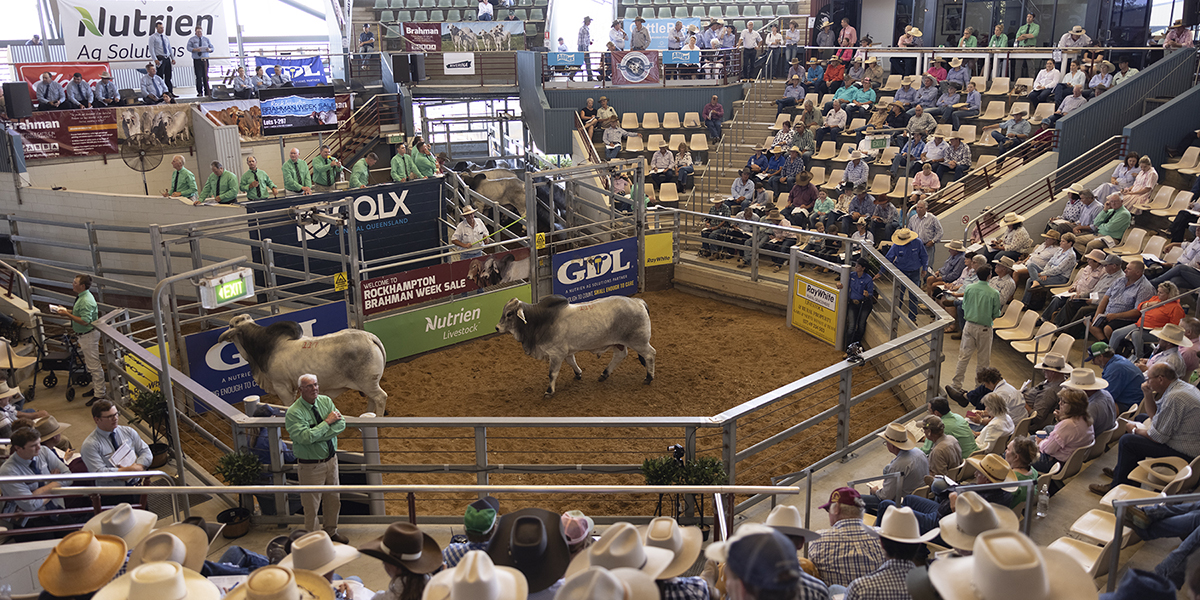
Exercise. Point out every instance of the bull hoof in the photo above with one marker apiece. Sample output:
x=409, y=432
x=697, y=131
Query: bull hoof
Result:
x=603, y=376
x=549, y=392
x=649, y=379
x=579, y=376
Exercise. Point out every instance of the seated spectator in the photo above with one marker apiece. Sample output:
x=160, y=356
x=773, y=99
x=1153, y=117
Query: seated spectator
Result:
x=945, y=455
x=108, y=437
x=1070, y=103
x=835, y=122
x=990, y=380
x=1014, y=242
x=810, y=116
x=1079, y=221
x=260, y=80
x=154, y=89
x=856, y=173
x=861, y=206
x=577, y=528
x=662, y=165
x=1072, y=432
x=956, y=160
x=774, y=165
x=1101, y=81
x=50, y=95
x=1185, y=218
x=1123, y=71
x=1011, y=133
x=906, y=96
x=735, y=233
x=409, y=557
x=1171, y=344
x=479, y=521
x=105, y=92
x=995, y=420
x=1137, y=195
x=849, y=549
x=926, y=97
x=862, y=98
x=684, y=167
x=935, y=151
x=1043, y=85
x=815, y=73
x=1021, y=453
x=243, y=86
x=761, y=202
x=793, y=93
x=1130, y=339
x=909, y=462
x=279, y=79
x=713, y=226
x=741, y=191
x=783, y=138
x=893, y=117
x=606, y=112
x=803, y=139
x=1125, y=173
x=973, y=516
x=863, y=233
x=944, y=105
x=613, y=138
x=1101, y=407
x=1119, y=305
x=885, y=219
x=991, y=468
x=900, y=548
x=1070, y=79
x=971, y=106
x=835, y=73
x=779, y=238
x=684, y=545
x=757, y=163
x=958, y=73
x=937, y=70
x=1003, y=281
x=1179, y=568
x=11, y=401
x=802, y=200
x=587, y=115
x=822, y=210
x=1043, y=397
x=951, y=269
x=789, y=170
x=1123, y=377
x=1056, y=271
x=79, y=92
x=27, y=458
x=952, y=292
x=910, y=157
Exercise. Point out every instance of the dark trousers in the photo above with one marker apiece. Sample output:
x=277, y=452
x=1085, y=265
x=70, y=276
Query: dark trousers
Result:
x=958, y=171
x=1039, y=96
x=164, y=70
x=245, y=94
x=1179, y=225
x=748, y=55
x=201, y=67
x=856, y=319
x=100, y=103
x=1134, y=448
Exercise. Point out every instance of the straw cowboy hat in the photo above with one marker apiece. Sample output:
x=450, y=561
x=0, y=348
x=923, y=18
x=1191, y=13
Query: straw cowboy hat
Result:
x=719, y=551
x=1077, y=188
x=577, y=526
x=49, y=427
x=870, y=60
x=1056, y=362
x=907, y=80
x=469, y=210
x=955, y=245
x=1012, y=218
x=6, y=391
x=683, y=543
x=163, y=580
x=81, y=563
x=900, y=525
x=1006, y=564
x=1078, y=30
x=856, y=155
x=995, y=468
x=1176, y=25
x=1086, y=380
x=795, y=78
x=972, y=516
x=1172, y=333
x=814, y=61
x=404, y=545
x=123, y=521
x=796, y=61
x=531, y=541
x=181, y=543
x=785, y=519
x=602, y=584
x=318, y=553
x=1053, y=234
x=956, y=62
x=274, y=582
x=622, y=546
x=1162, y=470
x=1097, y=255
x=1006, y=261
x=476, y=576
x=898, y=436
x=825, y=23
x=1111, y=67
x=915, y=32
x=903, y=236
x=774, y=215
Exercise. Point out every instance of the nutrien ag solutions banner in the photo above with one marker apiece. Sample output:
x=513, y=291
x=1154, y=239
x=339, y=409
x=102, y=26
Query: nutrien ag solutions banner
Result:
x=119, y=30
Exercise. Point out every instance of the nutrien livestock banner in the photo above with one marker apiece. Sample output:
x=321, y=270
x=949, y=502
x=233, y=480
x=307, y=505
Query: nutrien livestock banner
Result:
x=62, y=133
x=119, y=30
x=444, y=280
x=426, y=329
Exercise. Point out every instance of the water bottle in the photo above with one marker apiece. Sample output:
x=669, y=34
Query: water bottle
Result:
x=5, y=591
x=1043, y=506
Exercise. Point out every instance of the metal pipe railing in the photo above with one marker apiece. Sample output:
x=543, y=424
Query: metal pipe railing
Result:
x=1120, y=507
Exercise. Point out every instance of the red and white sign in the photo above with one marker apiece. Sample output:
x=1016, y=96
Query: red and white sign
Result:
x=60, y=73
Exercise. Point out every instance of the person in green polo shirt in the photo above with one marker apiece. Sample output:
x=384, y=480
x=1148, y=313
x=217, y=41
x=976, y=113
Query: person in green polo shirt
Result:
x=183, y=183
x=255, y=182
x=956, y=427
x=313, y=423
x=360, y=174
x=82, y=315
x=220, y=187
x=981, y=306
x=325, y=170
x=1027, y=36
x=400, y=170
x=426, y=163
x=296, y=180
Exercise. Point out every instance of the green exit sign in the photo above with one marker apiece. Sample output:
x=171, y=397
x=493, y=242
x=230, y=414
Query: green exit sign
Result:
x=223, y=289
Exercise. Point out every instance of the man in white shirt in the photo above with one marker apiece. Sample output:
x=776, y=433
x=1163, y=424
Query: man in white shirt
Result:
x=1070, y=103
x=750, y=40
x=935, y=151
x=1075, y=38
x=662, y=165
x=835, y=122
x=1043, y=85
x=469, y=233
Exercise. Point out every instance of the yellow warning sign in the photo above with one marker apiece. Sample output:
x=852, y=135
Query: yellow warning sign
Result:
x=540, y=241
x=340, y=282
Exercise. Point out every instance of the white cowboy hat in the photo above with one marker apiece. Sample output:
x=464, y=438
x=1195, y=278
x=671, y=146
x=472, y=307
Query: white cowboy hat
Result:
x=6, y=391
x=972, y=516
x=683, y=543
x=81, y=563
x=1163, y=470
x=719, y=551
x=124, y=521
x=470, y=210
x=181, y=543
x=274, y=582
x=621, y=546
x=1006, y=564
x=856, y=155
x=1076, y=188
x=1007, y=262
x=318, y=553
x=163, y=580
x=955, y=245
x=956, y=62
x=1097, y=255
x=603, y=584
x=903, y=235
x=1078, y=30
x=1054, y=361
x=1013, y=218
x=576, y=526
x=1086, y=380
x=898, y=436
x=915, y=32
x=1172, y=333
x=995, y=468
x=476, y=576
x=899, y=524
x=785, y=519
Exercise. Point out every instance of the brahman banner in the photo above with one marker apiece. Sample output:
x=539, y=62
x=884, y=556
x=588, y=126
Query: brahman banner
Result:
x=60, y=73
x=426, y=329
x=164, y=125
x=464, y=36
x=60, y=133
x=635, y=67
x=219, y=367
x=607, y=269
x=119, y=30
x=390, y=292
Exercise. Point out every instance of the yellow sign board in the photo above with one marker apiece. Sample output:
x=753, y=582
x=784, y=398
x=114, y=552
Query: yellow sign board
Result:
x=660, y=249
x=814, y=309
x=540, y=241
x=138, y=370
x=340, y=282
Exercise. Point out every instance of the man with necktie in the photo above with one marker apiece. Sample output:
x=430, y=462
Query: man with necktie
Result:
x=30, y=458
x=183, y=183
x=79, y=92
x=154, y=89
x=200, y=47
x=104, y=441
x=220, y=187
x=325, y=170
x=255, y=182
x=360, y=176
x=82, y=314
x=296, y=180
x=164, y=55
x=105, y=93
x=279, y=78
x=313, y=423
x=50, y=95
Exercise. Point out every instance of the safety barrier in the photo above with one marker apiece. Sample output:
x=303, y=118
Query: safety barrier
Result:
x=987, y=174
x=1121, y=508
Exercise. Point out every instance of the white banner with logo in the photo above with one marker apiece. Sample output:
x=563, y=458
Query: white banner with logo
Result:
x=458, y=63
x=118, y=31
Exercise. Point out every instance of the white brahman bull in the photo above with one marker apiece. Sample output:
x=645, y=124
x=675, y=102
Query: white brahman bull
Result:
x=554, y=329
x=280, y=353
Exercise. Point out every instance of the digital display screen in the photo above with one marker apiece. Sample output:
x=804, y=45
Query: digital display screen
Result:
x=298, y=110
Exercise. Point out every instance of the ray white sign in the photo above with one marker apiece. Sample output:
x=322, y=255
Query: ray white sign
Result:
x=459, y=63
x=119, y=30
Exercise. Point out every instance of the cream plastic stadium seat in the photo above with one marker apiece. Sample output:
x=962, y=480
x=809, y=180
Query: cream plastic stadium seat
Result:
x=691, y=119
x=1155, y=246
x=1040, y=345
x=835, y=179
x=1094, y=559
x=671, y=121
x=780, y=120
x=1189, y=160
x=854, y=124
x=813, y=97
x=1181, y=201
x=768, y=142
x=1058, y=289
x=969, y=133
x=1000, y=86
x=781, y=201
x=1100, y=444
x=892, y=84
x=1161, y=198
x=880, y=185
x=1129, y=492
x=980, y=84
x=818, y=175
x=629, y=121
x=945, y=130
x=1131, y=243
x=1025, y=81
x=1022, y=426
x=1062, y=345
x=1023, y=330
x=675, y=141
x=699, y=142
x=987, y=140
x=1044, y=110
x=1173, y=256
x=994, y=111
x=827, y=98
x=650, y=121
x=886, y=158
x=844, y=155
x=634, y=143
x=668, y=192
x=1074, y=464
x=653, y=142
x=902, y=184
x=827, y=151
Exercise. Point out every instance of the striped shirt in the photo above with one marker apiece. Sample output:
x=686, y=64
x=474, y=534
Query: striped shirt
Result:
x=683, y=588
x=846, y=552
x=1177, y=423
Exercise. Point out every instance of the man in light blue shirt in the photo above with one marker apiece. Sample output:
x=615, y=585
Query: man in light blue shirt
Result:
x=1012, y=132
x=279, y=78
x=742, y=191
x=974, y=104
x=30, y=459
x=154, y=89
x=906, y=95
x=944, y=105
x=50, y=94
x=243, y=87
x=163, y=55
x=958, y=73
x=105, y=93
x=200, y=47
x=79, y=92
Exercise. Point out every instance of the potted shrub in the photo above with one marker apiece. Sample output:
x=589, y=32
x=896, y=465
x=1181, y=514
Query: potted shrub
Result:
x=663, y=470
x=705, y=470
x=150, y=407
x=238, y=468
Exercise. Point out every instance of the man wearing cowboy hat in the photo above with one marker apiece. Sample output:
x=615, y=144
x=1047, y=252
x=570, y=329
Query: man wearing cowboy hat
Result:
x=856, y=172
x=1007, y=564
x=849, y=549
x=1009, y=134
x=797, y=70
x=972, y=517
x=862, y=299
x=1077, y=215
x=951, y=269
x=1179, y=36
x=862, y=98
x=621, y=548
x=1075, y=38
x=909, y=462
x=980, y=307
x=958, y=74
x=935, y=151
x=105, y=93
x=469, y=233
x=662, y=164
x=479, y=521
x=793, y=93
x=885, y=219
x=531, y=541
x=779, y=238
x=900, y=537
x=684, y=544
x=909, y=256
x=81, y=564
x=834, y=123
x=834, y=76
x=1043, y=397
x=814, y=75
x=318, y=553
x=1124, y=378
x=1173, y=427
x=594, y=583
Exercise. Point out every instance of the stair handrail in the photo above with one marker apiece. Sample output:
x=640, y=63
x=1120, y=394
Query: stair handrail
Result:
x=364, y=120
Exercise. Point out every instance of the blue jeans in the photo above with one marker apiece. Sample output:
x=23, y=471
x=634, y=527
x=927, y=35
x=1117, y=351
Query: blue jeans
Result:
x=611, y=153
x=924, y=509
x=1034, y=272
x=826, y=132
x=684, y=173
x=958, y=115
x=1181, y=275
x=915, y=277
x=783, y=103
x=235, y=561
x=1174, y=521
x=958, y=171
x=714, y=128
x=485, y=17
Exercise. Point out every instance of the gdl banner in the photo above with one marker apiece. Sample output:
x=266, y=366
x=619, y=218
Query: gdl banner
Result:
x=119, y=30
x=301, y=71
x=607, y=269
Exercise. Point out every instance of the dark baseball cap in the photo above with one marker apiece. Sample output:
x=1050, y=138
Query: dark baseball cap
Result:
x=765, y=561
x=843, y=495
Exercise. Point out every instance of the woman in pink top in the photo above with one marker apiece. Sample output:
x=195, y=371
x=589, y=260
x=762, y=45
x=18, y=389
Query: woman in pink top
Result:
x=925, y=182
x=1073, y=431
x=1137, y=196
x=937, y=70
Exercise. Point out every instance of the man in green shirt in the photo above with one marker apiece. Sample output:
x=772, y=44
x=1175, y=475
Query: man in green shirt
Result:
x=296, y=180
x=360, y=174
x=183, y=183
x=220, y=187
x=981, y=306
x=313, y=423
x=1113, y=221
x=426, y=163
x=399, y=165
x=82, y=315
x=956, y=427
x=325, y=170
x=255, y=182
x=1027, y=36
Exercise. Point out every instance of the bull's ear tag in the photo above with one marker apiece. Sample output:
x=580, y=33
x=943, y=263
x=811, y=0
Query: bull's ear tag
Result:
x=521, y=315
